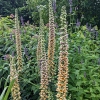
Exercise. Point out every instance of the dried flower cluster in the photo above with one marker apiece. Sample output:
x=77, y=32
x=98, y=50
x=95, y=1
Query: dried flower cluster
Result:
x=51, y=41
x=43, y=63
x=63, y=60
x=18, y=42
x=15, y=91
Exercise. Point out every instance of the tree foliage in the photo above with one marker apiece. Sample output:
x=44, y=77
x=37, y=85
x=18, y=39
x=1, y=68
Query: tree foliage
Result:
x=8, y=6
x=28, y=9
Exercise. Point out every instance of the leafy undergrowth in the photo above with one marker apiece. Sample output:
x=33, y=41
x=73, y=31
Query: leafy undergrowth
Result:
x=84, y=60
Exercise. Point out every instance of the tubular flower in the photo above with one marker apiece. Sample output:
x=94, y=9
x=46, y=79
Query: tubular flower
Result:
x=51, y=41
x=63, y=60
x=18, y=42
x=15, y=91
x=43, y=63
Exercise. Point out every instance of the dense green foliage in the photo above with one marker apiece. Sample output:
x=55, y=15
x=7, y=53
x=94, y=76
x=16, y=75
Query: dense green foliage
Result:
x=8, y=6
x=84, y=60
x=84, y=64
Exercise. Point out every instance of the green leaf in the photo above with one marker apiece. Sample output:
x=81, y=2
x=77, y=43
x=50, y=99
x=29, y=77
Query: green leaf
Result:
x=9, y=89
x=3, y=93
x=6, y=81
x=91, y=90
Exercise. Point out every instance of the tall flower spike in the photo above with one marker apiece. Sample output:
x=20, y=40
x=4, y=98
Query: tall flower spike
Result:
x=63, y=59
x=40, y=36
x=43, y=62
x=44, y=78
x=18, y=42
x=38, y=49
x=15, y=91
x=51, y=42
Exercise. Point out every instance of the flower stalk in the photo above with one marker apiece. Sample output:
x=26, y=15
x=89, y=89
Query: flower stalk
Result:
x=18, y=42
x=63, y=59
x=42, y=61
x=15, y=91
x=39, y=46
x=51, y=42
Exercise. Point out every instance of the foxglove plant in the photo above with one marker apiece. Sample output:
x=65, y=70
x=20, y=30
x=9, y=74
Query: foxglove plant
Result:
x=51, y=42
x=39, y=46
x=63, y=59
x=42, y=61
x=15, y=91
x=38, y=50
x=18, y=42
x=44, y=78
